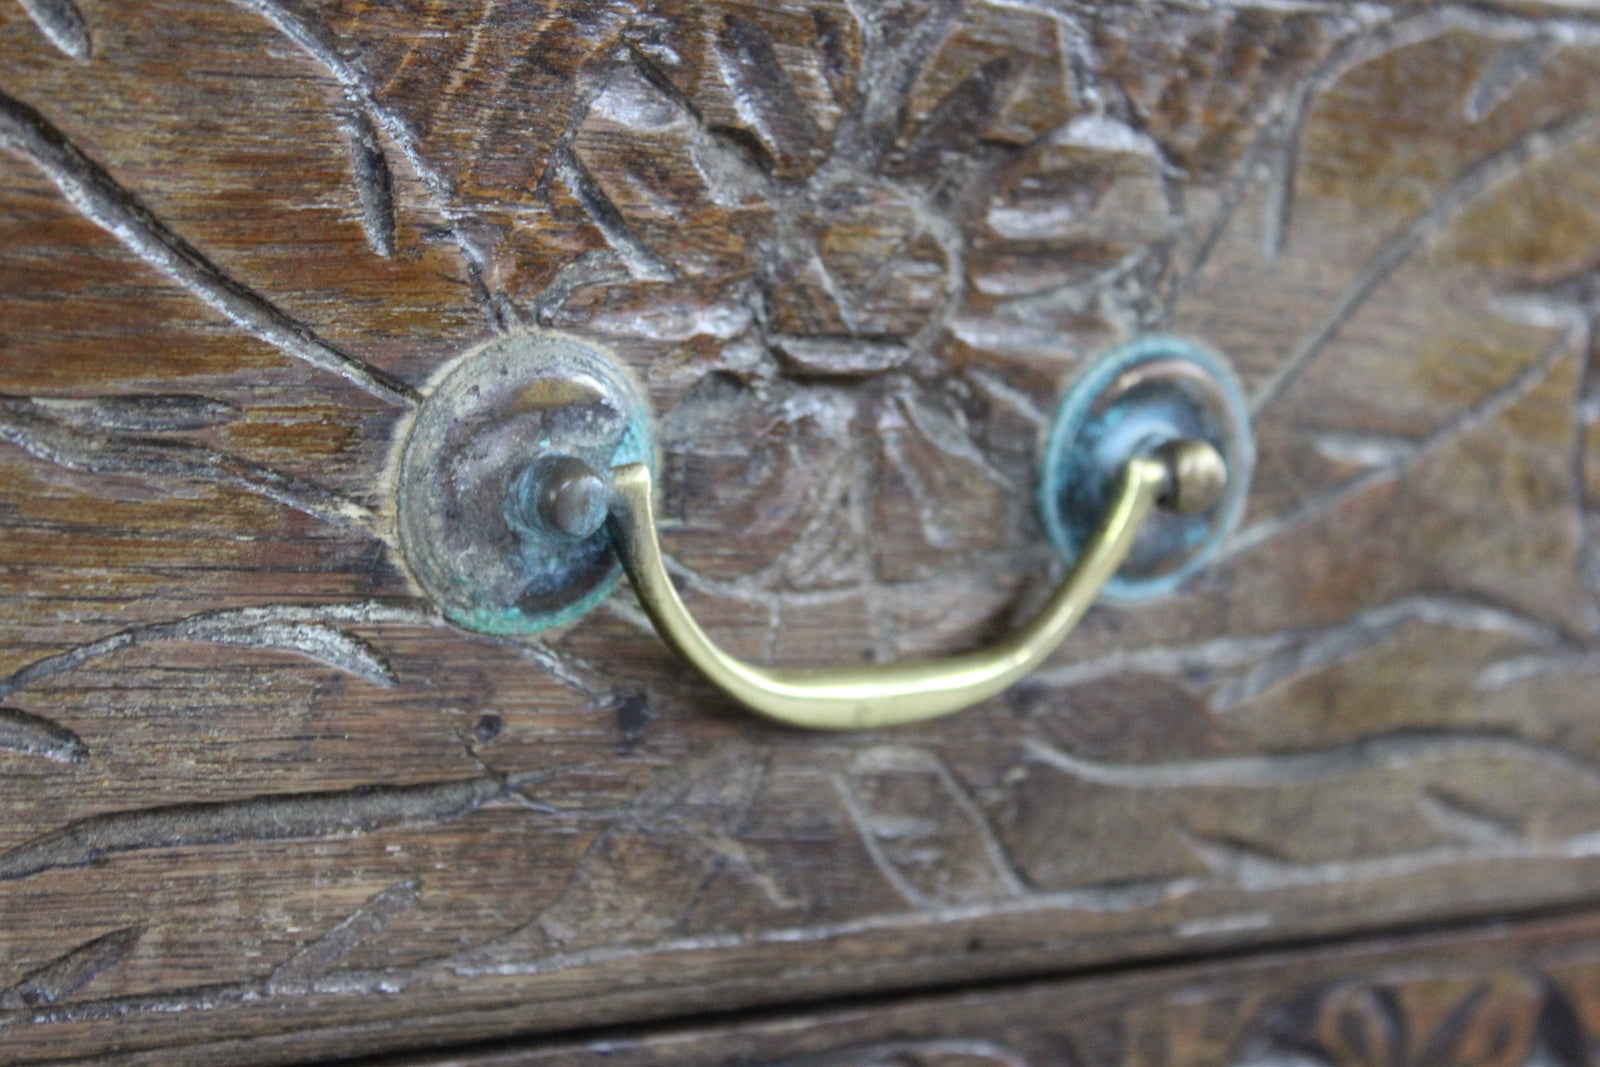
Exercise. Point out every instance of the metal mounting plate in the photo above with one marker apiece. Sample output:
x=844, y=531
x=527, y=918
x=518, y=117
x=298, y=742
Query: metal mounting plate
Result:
x=1151, y=391
x=497, y=411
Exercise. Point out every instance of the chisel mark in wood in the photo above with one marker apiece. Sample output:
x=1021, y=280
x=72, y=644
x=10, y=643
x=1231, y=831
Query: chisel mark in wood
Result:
x=309, y=631
x=36, y=736
x=139, y=413
x=35, y=427
x=374, y=183
x=317, y=958
x=295, y=816
x=90, y=189
x=70, y=972
x=62, y=23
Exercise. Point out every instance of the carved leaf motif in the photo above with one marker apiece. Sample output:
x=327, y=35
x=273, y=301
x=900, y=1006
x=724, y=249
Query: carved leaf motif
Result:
x=923, y=831
x=676, y=837
x=1383, y=447
x=1501, y=1020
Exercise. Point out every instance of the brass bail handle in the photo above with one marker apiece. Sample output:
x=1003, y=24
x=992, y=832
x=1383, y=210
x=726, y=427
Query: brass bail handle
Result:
x=1186, y=475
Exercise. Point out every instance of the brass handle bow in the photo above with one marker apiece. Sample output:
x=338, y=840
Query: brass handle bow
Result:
x=1187, y=475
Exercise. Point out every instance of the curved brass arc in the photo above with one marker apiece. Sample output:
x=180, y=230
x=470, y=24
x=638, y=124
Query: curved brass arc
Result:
x=860, y=698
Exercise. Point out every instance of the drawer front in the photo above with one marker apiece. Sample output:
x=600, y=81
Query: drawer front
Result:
x=1512, y=997
x=257, y=789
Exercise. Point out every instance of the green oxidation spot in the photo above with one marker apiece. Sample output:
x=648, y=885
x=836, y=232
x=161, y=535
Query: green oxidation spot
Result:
x=1148, y=392
x=499, y=409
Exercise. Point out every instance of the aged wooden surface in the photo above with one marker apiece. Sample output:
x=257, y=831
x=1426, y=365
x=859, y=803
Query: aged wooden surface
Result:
x=1498, y=998
x=256, y=792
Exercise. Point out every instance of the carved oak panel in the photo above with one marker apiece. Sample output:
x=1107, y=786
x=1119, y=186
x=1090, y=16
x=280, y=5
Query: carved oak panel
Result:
x=255, y=789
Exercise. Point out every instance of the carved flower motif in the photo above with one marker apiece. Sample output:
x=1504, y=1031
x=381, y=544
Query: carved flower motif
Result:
x=855, y=255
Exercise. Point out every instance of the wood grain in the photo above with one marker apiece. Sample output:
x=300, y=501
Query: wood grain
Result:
x=261, y=801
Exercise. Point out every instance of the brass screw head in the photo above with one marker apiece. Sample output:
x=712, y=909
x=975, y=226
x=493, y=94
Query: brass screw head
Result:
x=560, y=494
x=1197, y=475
